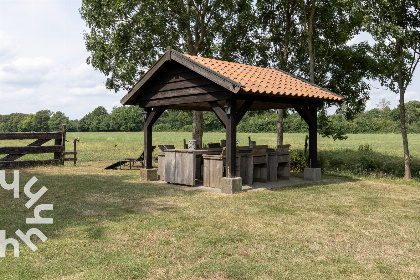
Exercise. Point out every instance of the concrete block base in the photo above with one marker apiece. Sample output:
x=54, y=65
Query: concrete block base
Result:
x=312, y=174
x=231, y=185
x=149, y=174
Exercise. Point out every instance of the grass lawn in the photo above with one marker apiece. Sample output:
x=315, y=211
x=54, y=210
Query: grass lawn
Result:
x=109, y=225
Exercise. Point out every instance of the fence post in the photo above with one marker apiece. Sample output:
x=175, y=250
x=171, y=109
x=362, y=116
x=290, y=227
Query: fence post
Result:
x=75, y=153
x=63, y=144
x=59, y=155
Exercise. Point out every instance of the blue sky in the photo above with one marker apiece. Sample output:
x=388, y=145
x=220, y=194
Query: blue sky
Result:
x=43, y=62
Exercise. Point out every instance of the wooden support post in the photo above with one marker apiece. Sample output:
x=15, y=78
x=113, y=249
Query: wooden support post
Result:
x=220, y=114
x=242, y=111
x=309, y=114
x=151, y=117
x=230, y=117
x=313, y=134
x=147, y=140
x=231, y=139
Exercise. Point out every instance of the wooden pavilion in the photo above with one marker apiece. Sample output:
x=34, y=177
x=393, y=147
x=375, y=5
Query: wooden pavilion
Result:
x=185, y=82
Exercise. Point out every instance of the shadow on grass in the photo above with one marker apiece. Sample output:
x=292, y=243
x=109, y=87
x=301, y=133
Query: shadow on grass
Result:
x=325, y=181
x=86, y=201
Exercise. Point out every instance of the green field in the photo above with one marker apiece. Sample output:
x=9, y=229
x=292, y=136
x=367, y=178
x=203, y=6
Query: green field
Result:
x=114, y=145
x=381, y=154
x=110, y=225
x=361, y=154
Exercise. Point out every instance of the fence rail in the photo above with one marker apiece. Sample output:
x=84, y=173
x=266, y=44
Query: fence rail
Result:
x=31, y=135
x=13, y=153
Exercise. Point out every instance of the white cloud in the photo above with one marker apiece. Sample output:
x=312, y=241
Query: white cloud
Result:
x=362, y=37
x=88, y=91
x=412, y=95
x=83, y=76
x=25, y=72
x=20, y=94
x=7, y=46
x=43, y=60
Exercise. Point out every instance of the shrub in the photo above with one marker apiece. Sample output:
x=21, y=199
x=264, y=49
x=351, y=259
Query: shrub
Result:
x=298, y=160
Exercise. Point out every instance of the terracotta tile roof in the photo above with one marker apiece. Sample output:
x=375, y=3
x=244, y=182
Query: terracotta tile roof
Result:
x=265, y=80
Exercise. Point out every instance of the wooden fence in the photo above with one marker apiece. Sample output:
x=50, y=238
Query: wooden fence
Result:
x=13, y=153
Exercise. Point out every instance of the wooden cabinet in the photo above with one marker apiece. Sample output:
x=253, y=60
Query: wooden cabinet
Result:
x=180, y=167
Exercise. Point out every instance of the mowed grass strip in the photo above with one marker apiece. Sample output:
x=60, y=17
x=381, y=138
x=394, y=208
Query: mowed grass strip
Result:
x=95, y=146
x=109, y=225
x=115, y=145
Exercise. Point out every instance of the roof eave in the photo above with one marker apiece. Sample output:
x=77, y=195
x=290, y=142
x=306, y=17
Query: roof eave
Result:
x=315, y=85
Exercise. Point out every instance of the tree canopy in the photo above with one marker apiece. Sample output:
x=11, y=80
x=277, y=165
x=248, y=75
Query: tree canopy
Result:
x=126, y=37
x=381, y=119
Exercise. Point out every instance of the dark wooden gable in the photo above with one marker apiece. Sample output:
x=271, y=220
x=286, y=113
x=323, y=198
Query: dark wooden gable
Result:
x=176, y=86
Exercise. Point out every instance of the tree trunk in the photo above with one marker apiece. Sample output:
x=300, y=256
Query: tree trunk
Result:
x=197, y=133
x=280, y=122
x=407, y=165
x=193, y=47
x=310, y=32
x=289, y=11
x=288, y=19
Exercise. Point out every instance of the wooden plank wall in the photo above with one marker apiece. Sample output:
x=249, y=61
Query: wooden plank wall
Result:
x=179, y=85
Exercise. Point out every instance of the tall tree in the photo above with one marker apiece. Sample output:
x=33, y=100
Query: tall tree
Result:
x=329, y=60
x=126, y=37
x=40, y=121
x=308, y=11
x=13, y=122
x=278, y=20
x=126, y=118
x=97, y=120
x=412, y=109
x=57, y=120
x=309, y=38
x=27, y=124
x=395, y=26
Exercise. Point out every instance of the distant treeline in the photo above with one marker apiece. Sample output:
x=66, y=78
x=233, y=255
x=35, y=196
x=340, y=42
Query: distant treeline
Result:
x=129, y=118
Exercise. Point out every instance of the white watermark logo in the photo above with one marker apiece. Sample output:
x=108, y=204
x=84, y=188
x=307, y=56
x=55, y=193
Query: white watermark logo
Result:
x=37, y=219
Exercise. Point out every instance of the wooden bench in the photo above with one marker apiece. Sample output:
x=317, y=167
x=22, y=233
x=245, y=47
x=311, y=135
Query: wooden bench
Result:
x=283, y=161
x=260, y=163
